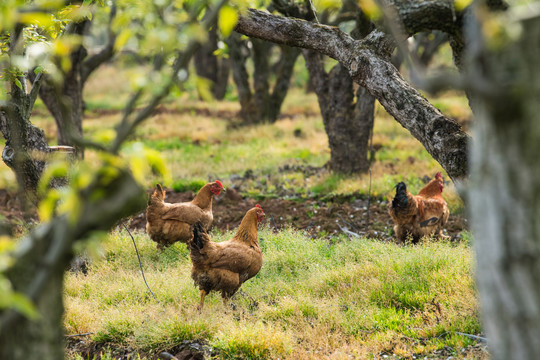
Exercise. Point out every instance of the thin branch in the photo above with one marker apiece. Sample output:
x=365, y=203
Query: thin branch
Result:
x=347, y=231
x=474, y=337
x=127, y=126
x=351, y=225
x=77, y=335
x=87, y=144
x=34, y=92
x=93, y=62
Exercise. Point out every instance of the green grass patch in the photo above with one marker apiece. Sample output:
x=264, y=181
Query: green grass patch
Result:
x=337, y=295
x=183, y=185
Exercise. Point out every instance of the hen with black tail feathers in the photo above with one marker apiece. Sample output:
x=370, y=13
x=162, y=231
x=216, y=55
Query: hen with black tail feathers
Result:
x=401, y=200
x=225, y=266
x=197, y=243
x=419, y=215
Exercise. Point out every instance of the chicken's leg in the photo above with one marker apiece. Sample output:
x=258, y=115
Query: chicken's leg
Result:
x=201, y=304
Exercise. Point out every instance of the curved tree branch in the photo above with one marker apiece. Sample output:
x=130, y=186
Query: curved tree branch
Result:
x=93, y=62
x=368, y=63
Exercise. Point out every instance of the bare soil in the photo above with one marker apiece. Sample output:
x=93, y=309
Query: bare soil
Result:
x=318, y=217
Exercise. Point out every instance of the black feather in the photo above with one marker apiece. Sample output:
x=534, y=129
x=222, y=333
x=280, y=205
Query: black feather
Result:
x=400, y=200
x=429, y=222
x=197, y=241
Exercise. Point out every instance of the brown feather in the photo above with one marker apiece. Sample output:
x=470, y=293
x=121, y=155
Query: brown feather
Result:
x=225, y=266
x=168, y=223
x=414, y=218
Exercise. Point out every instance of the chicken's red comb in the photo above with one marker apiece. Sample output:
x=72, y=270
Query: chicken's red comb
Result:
x=259, y=206
x=438, y=175
x=219, y=183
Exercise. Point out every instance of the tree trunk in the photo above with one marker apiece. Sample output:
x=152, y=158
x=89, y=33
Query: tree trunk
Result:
x=505, y=191
x=39, y=268
x=426, y=45
x=239, y=53
x=210, y=67
x=347, y=124
x=43, y=337
x=285, y=68
x=261, y=51
x=260, y=104
x=65, y=102
x=22, y=138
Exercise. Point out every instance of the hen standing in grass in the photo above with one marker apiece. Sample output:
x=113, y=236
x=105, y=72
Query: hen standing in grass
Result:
x=225, y=266
x=168, y=223
x=422, y=215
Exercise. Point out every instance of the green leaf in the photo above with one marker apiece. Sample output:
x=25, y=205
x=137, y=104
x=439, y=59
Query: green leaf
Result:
x=203, y=88
x=41, y=19
x=38, y=70
x=371, y=9
x=461, y=4
x=228, y=17
x=122, y=39
x=18, y=83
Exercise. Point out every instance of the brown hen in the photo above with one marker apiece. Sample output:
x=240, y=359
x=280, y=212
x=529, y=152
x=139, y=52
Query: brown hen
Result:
x=422, y=215
x=225, y=266
x=168, y=223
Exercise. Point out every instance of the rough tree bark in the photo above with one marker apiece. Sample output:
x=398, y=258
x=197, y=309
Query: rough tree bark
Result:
x=262, y=103
x=23, y=140
x=348, y=124
x=367, y=63
x=505, y=189
x=210, y=67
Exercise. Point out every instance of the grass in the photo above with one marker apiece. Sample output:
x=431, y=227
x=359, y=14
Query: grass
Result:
x=348, y=297
x=314, y=298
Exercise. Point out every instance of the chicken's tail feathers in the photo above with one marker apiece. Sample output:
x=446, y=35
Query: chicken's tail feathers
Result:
x=401, y=198
x=429, y=222
x=199, y=237
x=157, y=196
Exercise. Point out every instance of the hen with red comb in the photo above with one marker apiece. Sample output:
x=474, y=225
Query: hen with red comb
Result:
x=168, y=223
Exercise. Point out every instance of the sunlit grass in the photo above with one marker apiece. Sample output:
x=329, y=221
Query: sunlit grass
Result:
x=342, y=296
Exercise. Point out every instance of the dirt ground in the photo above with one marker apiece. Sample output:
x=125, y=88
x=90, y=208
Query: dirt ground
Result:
x=194, y=350
x=319, y=218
